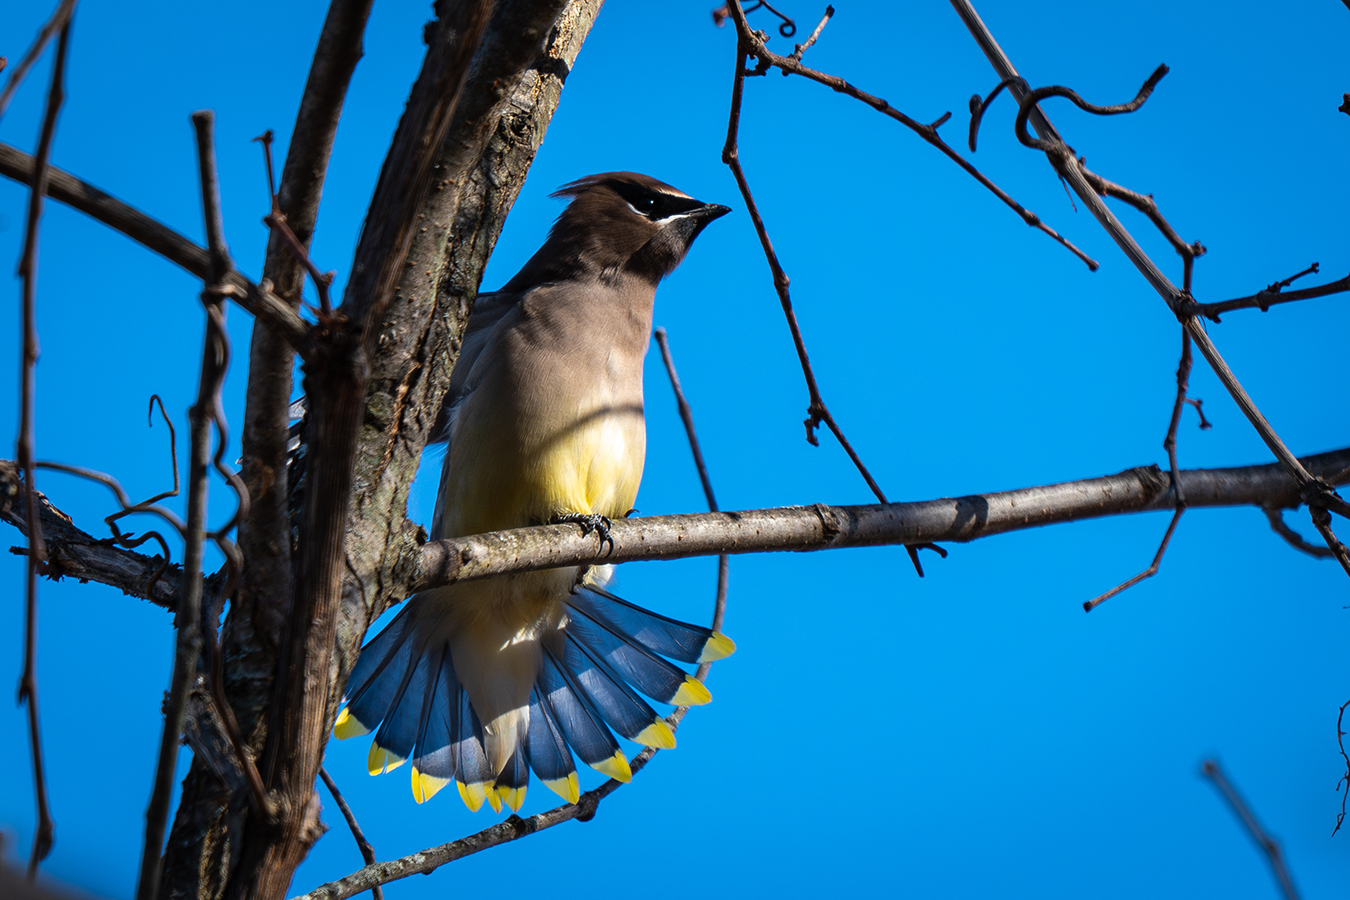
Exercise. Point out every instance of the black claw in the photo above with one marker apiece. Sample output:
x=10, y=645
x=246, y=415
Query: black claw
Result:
x=589, y=522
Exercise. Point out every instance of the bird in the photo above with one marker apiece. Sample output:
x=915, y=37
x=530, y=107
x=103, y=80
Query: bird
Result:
x=481, y=682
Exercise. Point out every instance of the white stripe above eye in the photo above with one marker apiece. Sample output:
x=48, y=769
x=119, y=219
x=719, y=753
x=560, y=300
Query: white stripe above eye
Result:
x=669, y=218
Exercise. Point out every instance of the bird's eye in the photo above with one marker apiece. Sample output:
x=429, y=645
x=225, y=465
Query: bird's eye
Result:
x=645, y=205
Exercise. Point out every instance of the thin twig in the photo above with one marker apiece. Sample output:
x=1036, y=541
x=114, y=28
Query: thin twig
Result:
x=1278, y=525
x=687, y=417
x=60, y=16
x=77, y=554
x=257, y=299
x=1345, y=779
x=752, y=44
x=45, y=834
x=817, y=411
x=363, y=845
x=276, y=221
x=1210, y=769
x=1090, y=605
x=1318, y=496
x=188, y=624
x=1264, y=300
x=815, y=34
x=1178, y=492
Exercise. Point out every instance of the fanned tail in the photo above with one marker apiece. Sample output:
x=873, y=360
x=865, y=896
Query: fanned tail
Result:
x=596, y=665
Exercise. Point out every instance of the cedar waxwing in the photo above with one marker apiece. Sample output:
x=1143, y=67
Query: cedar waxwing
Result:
x=481, y=682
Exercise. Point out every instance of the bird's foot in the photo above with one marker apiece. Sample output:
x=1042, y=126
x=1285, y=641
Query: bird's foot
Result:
x=589, y=522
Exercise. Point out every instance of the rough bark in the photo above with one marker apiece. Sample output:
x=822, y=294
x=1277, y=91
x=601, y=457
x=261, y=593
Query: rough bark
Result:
x=504, y=108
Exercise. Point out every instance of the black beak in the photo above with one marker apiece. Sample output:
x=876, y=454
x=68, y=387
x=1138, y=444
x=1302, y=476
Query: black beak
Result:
x=710, y=212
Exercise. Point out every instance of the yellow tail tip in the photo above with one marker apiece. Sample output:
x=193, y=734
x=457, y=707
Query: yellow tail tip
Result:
x=615, y=767
x=719, y=646
x=425, y=786
x=347, y=726
x=568, y=788
x=474, y=794
x=380, y=760
x=658, y=735
x=691, y=693
x=512, y=797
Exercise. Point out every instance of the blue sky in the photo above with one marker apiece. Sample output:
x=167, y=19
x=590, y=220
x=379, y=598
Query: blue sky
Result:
x=971, y=734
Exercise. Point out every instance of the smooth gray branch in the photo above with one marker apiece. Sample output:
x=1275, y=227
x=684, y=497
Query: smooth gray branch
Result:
x=821, y=527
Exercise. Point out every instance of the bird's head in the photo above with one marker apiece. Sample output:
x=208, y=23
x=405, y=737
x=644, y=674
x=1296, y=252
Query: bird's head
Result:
x=620, y=223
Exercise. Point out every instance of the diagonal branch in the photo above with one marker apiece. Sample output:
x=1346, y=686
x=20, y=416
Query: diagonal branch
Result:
x=816, y=411
x=257, y=299
x=1316, y=494
x=753, y=45
x=1210, y=769
x=59, y=17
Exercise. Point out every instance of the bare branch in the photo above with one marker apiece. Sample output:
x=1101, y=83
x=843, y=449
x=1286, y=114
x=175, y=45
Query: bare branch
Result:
x=1179, y=496
x=367, y=851
x=752, y=45
x=1345, y=779
x=1090, y=605
x=188, y=617
x=1292, y=537
x=817, y=411
x=1268, y=844
x=1264, y=300
x=57, y=22
x=687, y=417
x=1317, y=495
x=45, y=834
x=820, y=527
x=257, y=299
x=798, y=50
x=76, y=554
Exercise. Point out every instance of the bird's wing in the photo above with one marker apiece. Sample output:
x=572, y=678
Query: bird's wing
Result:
x=489, y=312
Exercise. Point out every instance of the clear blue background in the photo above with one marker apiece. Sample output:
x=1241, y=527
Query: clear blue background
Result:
x=973, y=734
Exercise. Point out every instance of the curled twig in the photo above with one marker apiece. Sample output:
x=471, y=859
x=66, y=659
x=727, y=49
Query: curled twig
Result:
x=1278, y=525
x=1027, y=103
x=1345, y=779
x=787, y=28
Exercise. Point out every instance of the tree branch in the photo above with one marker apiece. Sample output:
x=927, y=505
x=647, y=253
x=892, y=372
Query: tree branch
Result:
x=256, y=622
x=754, y=45
x=1210, y=769
x=45, y=833
x=77, y=554
x=821, y=527
x=1068, y=166
x=257, y=300
x=1264, y=300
